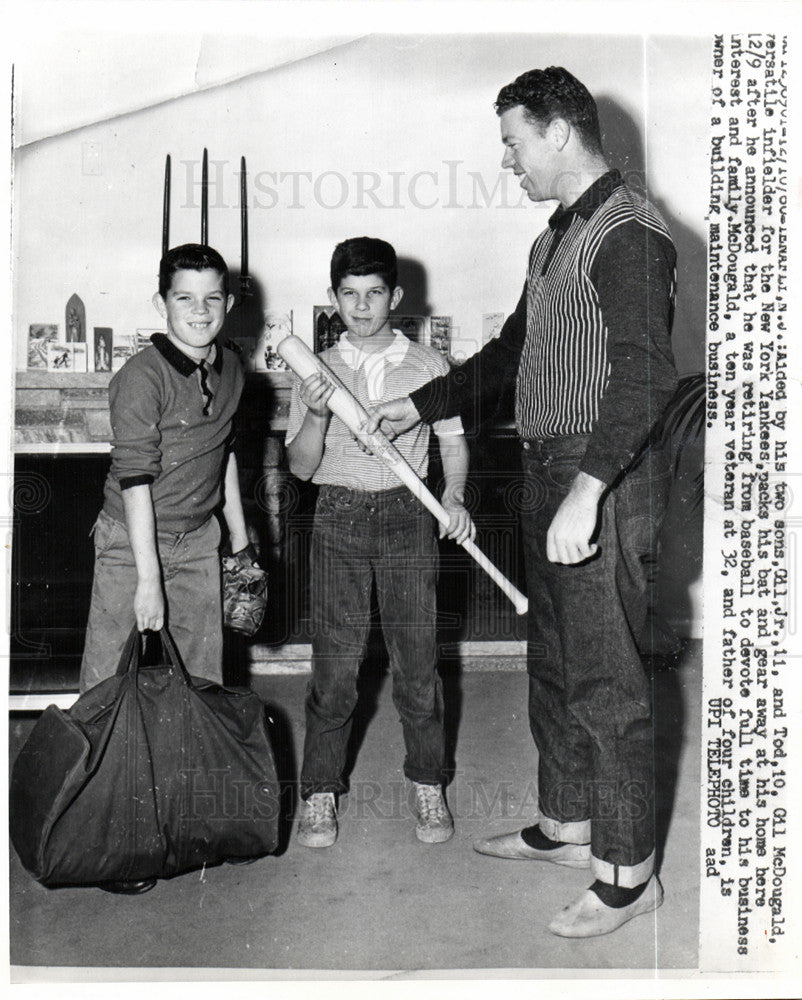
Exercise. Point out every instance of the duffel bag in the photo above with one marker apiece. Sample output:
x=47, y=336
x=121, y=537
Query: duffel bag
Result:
x=150, y=773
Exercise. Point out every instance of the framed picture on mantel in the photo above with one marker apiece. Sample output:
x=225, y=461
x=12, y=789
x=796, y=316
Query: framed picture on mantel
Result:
x=39, y=336
x=102, y=348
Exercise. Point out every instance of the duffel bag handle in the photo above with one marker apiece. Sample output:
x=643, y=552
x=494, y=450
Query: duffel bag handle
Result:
x=130, y=653
x=135, y=647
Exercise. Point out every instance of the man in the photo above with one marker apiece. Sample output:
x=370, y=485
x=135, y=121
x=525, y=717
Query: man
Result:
x=589, y=345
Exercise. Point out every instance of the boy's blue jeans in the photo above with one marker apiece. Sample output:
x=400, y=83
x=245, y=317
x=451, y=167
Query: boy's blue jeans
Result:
x=358, y=537
x=190, y=563
x=590, y=699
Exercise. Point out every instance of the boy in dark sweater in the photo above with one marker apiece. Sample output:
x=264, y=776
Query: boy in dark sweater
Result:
x=156, y=538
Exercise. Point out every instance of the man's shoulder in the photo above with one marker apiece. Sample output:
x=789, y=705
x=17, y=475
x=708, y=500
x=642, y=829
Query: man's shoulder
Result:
x=626, y=206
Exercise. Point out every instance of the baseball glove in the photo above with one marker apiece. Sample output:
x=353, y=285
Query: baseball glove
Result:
x=244, y=591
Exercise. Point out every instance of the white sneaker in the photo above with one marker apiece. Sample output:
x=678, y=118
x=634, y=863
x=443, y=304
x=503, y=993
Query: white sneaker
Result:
x=317, y=825
x=435, y=824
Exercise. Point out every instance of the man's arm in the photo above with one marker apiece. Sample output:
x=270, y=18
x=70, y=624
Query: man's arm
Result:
x=455, y=456
x=232, y=507
x=305, y=450
x=141, y=523
x=634, y=278
x=464, y=389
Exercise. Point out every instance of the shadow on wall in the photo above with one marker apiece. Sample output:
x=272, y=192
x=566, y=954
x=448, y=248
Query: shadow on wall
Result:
x=623, y=144
x=413, y=279
x=246, y=318
x=679, y=584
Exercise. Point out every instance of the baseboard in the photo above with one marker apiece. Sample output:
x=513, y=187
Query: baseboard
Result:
x=296, y=658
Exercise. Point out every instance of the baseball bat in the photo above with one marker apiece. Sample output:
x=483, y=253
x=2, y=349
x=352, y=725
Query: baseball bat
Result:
x=342, y=403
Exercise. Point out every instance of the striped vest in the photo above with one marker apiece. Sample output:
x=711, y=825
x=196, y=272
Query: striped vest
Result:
x=564, y=366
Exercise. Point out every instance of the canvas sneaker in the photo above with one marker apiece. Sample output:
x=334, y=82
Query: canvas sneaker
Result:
x=317, y=826
x=435, y=824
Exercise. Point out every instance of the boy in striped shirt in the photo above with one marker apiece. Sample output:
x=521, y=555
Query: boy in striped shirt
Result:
x=369, y=528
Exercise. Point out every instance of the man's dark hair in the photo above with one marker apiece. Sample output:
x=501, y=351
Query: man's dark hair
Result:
x=364, y=255
x=546, y=94
x=190, y=257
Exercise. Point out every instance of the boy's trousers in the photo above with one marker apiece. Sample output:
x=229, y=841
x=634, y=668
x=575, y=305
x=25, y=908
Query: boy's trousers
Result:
x=190, y=563
x=360, y=537
x=590, y=707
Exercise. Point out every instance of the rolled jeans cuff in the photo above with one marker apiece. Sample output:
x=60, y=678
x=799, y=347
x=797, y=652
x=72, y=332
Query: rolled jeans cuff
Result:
x=577, y=832
x=625, y=876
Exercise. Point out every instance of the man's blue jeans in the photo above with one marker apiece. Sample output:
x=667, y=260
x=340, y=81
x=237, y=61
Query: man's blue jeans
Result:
x=359, y=537
x=589, y=697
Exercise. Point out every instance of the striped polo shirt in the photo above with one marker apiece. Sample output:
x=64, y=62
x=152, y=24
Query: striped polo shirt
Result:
x=589, y=342
x=374, y=378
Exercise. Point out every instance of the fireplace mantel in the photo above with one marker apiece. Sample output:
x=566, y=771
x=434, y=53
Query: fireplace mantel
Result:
x=66, y=413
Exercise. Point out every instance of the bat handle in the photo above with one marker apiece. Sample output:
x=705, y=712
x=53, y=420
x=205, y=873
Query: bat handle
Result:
x=518, y=599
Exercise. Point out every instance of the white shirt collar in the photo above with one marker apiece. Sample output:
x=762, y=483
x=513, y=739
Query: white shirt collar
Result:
x=376, y=363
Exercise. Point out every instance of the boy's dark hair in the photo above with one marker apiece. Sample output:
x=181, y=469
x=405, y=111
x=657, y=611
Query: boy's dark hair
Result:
x=364, y=255
x=190, y=257
x=546, y=94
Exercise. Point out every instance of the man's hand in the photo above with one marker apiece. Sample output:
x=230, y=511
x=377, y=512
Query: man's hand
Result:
x=393, y=417
x=149, y=605
x=569, y=534
x=460, y=527
x=315, y=393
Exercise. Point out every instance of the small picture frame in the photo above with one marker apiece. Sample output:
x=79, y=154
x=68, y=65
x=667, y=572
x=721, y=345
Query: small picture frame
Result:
x=39, y=336
x=101, y=348
x=142, y=337
x=75, y=321
x=60, y=356
x=413, y=327
x=80, y=357
x=123, y=348
x=264, y=357
x=327, y=327
x=440, y=334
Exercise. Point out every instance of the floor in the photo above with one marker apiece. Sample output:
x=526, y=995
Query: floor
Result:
x=378, y=900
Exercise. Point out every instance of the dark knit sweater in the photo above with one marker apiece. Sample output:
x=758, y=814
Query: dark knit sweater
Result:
x=162, y=437
x=589, y=338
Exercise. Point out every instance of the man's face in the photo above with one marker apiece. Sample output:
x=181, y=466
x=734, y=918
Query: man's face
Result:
x=529, y=152
x=195, y=308
x=364, y=303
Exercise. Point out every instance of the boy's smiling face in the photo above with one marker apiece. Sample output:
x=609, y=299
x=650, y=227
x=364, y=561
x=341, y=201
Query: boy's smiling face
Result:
x=364, y=303
x=195, y=308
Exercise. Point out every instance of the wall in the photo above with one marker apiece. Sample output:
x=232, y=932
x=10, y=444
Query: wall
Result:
x=414, y=115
